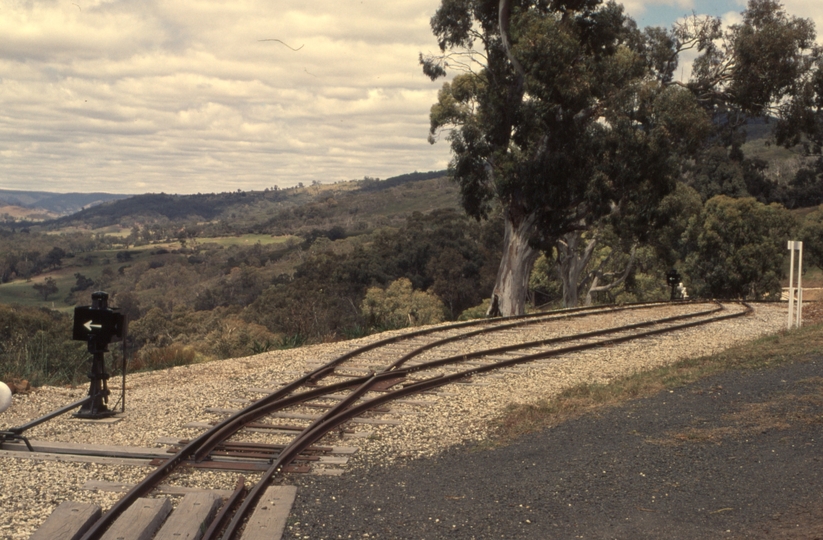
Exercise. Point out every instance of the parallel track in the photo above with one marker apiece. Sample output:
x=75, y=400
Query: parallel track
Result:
x=413, y=371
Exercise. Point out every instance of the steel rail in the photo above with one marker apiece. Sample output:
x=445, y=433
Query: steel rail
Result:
x=394, y=369
x=223, y=515
x=441, y=380
x=233, y=423
x=492, y=325
x=252, y=413
x=153, y=479
x=569, y=314
x=315, y=431
x=342, y=412
x=594, y=333
x=249, y=416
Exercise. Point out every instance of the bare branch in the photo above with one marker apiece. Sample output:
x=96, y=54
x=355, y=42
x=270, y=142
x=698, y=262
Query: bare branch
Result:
x=504, y=14
x=600, y=288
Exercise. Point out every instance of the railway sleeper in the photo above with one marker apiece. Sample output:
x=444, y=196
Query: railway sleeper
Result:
x=229, y=455
x=300, y=416
x=264, y=446
x=154, y=518
x=238, y=466
x=339, y=397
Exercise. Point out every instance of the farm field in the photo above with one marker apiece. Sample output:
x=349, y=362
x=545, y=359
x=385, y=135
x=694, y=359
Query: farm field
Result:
x=93, y=263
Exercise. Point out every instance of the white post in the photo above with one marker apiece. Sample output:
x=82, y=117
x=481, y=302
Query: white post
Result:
x=796, y=311
x=799, y=317
x=791, y=284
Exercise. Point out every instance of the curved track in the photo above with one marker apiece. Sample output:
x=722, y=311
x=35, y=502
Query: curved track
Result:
x=404, y=365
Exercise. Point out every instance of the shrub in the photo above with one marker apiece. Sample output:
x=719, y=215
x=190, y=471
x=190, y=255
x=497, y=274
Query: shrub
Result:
x=35, y=344
x=736, y=249
x=399, y=306
x=476, y=312
x=151, y=357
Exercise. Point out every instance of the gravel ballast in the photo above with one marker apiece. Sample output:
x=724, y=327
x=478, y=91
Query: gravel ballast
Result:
x=735, y=456
x=159, y=403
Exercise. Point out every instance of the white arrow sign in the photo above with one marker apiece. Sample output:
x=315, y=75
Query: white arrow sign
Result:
x=89, y=326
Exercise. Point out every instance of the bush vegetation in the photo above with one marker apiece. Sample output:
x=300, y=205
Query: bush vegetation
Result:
x=346, y=265
x=35, y=345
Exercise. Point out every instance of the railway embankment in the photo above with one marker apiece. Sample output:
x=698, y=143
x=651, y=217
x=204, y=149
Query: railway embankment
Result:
x=733, y=455
x=162, y=405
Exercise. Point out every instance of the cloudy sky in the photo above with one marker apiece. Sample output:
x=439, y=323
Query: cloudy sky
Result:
x=187, y=96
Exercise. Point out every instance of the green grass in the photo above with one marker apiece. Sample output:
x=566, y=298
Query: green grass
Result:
x=574, y=402
x=247, y=240
x=812, y=277
x=114, y=230
x=21, y=291
x=224, y=241
x=416, y=197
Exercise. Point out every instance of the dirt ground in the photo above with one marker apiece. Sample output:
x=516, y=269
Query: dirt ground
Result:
x=734, y=456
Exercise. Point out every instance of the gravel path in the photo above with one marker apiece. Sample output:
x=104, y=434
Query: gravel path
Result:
x=736, y=456
x=159, y=403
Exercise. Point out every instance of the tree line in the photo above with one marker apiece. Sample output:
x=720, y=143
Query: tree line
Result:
x=570, y=118
x=205, y=300
x=577, y=154
x=209, y=301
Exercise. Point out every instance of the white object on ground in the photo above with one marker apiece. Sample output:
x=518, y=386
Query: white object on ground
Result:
x=5, y=396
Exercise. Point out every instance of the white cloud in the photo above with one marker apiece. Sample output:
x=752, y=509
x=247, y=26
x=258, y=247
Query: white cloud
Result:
x=186, y=96
x=808, y=10
x=639, y=6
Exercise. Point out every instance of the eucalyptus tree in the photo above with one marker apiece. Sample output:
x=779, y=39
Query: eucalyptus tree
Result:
x=768, y=65
x=735, y=248
x=566, y=115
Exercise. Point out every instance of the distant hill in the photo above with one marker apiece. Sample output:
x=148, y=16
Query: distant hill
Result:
x=155, y=206
x=54, y=204
x=15, y=213
x=241, y=207
x=783, y=163
x=375, y=184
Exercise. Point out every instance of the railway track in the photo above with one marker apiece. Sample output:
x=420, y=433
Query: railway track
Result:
x=368, y=378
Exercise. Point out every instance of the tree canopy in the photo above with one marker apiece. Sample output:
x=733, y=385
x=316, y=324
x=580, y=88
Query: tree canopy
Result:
x=565, y=114
x=46, y=288
x=735, y=248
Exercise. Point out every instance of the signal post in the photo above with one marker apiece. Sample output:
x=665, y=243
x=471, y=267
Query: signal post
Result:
x=98, y=325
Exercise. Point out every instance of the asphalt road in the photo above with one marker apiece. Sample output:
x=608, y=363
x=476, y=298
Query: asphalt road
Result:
x=734, y=456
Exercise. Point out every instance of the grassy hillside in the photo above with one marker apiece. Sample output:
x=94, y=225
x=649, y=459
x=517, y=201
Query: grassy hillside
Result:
x=14, y=213
x=218, y=275
x=46, y=205
x=783, y=162
x=143, y=225
x=250, y=211
x=222, y=275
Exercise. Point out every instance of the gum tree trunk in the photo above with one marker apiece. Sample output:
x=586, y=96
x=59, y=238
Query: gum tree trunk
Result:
x=616, y=281
x=571, y=264
x=512, y=284
x=574, y=253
